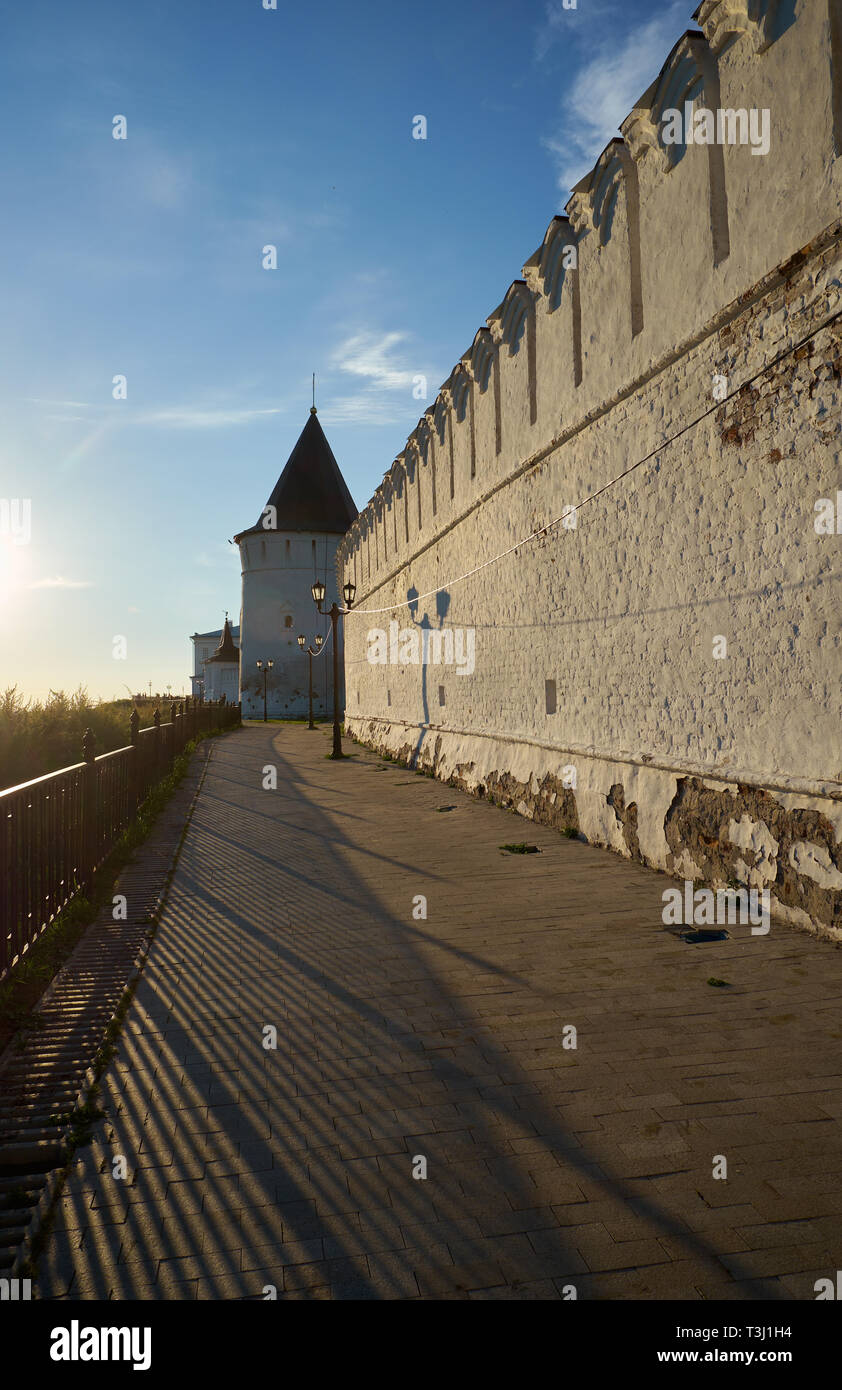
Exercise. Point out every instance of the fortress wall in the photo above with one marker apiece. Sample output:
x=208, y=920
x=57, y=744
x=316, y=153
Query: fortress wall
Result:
x=599, y=698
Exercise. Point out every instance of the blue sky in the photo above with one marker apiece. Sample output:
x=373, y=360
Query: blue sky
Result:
x=142, y=257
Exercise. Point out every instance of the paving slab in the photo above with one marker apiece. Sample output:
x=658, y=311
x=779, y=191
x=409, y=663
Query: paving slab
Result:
x=348, y=1070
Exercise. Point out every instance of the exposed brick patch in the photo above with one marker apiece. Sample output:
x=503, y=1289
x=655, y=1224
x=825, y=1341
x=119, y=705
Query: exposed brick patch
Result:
x=552, y=804
x=626, y=817
x=698, y=820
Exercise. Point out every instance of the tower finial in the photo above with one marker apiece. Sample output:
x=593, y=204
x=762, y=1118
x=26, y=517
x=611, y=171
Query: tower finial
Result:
x=313, y=406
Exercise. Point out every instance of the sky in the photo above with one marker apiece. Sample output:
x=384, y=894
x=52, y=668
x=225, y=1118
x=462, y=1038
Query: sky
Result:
x=142, y=258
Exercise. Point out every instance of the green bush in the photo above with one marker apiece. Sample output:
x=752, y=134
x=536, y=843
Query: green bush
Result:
x=38, y=737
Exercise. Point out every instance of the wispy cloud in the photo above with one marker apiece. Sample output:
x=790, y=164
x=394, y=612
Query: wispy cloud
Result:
x=367, y=408
x=606, y=86
x=388, y=377
x=58, y=582
x=210, y=560
x=179, y=416
x=552, y=28
x=185, y=417
x=373, y=357
x=162, y=179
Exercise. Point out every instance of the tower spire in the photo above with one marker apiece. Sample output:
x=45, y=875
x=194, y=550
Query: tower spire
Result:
x=313, y=406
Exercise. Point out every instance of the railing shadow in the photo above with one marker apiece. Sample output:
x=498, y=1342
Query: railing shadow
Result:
x=292, y=1166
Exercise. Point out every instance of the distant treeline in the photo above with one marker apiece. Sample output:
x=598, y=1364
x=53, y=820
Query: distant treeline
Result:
x=38, y=737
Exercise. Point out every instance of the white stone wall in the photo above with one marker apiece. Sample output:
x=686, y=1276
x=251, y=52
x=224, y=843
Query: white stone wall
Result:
x=278, y=569
x=221, y=678
x=671, y=742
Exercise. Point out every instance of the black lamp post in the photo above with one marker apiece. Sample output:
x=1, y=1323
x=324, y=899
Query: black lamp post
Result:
x=318, y=592
x=265, y=667
x=302, y=642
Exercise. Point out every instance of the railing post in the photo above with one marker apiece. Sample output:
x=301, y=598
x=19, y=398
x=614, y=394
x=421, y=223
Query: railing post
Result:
x=156, y=720
x=134, y=725
x=173, y=746
x=89, y=813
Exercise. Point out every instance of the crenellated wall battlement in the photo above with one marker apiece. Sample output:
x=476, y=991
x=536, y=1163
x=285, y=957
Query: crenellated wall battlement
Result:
x=600, y=584
x=657, y=238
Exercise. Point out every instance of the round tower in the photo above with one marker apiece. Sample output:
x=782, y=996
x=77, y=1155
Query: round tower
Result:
x=293, y=542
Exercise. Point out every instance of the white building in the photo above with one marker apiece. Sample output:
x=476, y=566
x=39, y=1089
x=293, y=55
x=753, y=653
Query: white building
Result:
x=222, y=669
x=204, y=646
x=293, y=542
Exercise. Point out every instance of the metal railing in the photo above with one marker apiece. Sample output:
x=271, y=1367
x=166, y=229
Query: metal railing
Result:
x=57, y=831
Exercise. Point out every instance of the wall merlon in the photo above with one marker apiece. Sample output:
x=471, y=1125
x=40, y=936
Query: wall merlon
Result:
x=531, y=270
x=664, y=233
x=675, y=264
x=641, y=135
x=579, y=209
x=727, y=21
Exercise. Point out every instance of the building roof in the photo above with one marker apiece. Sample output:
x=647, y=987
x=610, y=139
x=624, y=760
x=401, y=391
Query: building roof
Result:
x=311, y=494
x=214, y=636
x=226, y=651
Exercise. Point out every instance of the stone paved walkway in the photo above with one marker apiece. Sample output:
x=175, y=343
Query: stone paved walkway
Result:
x=443, y=1038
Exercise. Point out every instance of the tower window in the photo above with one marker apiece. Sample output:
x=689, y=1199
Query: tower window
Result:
x=288, y=620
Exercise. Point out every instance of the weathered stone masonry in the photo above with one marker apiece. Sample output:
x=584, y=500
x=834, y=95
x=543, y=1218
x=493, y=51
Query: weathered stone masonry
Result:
x=602, y=699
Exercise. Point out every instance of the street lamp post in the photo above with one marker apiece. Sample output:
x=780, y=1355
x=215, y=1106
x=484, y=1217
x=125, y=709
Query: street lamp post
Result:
x=265, y=667
x=318, y=591
x=302, y=642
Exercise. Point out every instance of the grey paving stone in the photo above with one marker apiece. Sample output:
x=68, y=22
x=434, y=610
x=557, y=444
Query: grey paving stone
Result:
x=545, y=1165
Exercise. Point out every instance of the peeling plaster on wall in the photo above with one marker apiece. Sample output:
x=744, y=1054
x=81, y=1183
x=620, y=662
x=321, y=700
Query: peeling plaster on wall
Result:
x=749, y=835
x=709, y=769
x=705, y=828
x=701, y=818
x=627, y=817
x=686, y=867
x=815, y=862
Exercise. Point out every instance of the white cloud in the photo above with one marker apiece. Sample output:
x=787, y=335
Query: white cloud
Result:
x=186, y=417
x=368, y=408
x=548, y=33
x=372, y=356
x=57, y=582
x=606, y=87
x=179, y=416
x=387, y=378
x=161, y=179
x=74, y=405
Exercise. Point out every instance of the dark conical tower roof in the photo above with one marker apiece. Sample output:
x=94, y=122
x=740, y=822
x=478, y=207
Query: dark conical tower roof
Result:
x=226, y=651
x=311, y=494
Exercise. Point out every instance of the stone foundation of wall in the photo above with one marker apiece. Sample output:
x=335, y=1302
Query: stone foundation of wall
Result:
x=663, y=673
x=690, y=823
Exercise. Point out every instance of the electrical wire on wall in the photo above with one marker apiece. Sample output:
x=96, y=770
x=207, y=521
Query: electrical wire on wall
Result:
x=569, y=510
